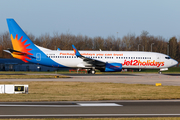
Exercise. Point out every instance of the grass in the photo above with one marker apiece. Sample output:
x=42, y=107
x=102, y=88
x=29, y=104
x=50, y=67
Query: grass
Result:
x=31, y=76
x=28, y=72
x=154, y=118
x=78, y=91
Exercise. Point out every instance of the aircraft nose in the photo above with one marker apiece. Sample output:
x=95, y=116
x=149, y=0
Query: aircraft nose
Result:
x=175, y=62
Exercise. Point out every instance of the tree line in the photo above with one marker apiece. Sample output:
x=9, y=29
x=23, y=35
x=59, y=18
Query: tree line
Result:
x=129, y=42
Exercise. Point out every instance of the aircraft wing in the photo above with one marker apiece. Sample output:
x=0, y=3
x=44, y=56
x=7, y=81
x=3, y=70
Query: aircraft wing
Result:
x=87, y=59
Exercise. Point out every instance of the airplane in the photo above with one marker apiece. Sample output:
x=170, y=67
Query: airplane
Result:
x=105, y=61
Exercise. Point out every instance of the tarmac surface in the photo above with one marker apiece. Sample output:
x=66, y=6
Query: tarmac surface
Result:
x=152, y=79
x=123, y=108
x=90, y=109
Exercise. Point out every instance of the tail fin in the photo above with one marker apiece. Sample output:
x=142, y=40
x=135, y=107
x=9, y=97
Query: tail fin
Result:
x=25, y=49
x=20, y=41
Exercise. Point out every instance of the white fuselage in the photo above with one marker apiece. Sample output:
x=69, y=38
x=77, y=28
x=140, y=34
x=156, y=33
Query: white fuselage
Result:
x=128, y=59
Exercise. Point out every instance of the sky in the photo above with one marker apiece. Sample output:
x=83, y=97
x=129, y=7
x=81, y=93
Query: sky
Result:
x=93, y=18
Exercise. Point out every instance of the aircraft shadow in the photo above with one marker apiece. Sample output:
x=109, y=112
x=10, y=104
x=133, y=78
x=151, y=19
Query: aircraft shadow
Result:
x=173, y=74
x=102, y=74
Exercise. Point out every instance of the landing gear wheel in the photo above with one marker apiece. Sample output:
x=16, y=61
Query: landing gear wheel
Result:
x=159, y=72
x=91, y=72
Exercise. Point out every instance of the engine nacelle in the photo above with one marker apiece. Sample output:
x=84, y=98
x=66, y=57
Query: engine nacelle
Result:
x=113, y=67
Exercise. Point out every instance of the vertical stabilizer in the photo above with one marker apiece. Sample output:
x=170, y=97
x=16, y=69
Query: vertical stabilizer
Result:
x=20, y=40
x=25, y=49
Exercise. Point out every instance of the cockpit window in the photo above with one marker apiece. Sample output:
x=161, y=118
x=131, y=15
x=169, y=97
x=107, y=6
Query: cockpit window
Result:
x=167, y=57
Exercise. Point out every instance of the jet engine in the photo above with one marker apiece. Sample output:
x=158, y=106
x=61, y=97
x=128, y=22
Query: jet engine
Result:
x=113, y=67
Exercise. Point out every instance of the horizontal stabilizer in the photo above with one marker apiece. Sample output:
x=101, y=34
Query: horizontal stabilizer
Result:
x=7, y=51
x=15, y=52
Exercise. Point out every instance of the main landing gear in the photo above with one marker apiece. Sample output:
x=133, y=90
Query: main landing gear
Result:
x=159, y=72
x=91, y=71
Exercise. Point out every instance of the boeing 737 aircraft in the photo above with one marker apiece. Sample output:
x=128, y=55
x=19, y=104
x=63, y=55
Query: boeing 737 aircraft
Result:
x=106, y=61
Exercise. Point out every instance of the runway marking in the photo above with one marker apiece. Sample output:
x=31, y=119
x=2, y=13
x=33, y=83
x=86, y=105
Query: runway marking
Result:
x=1, y=105
x=87, y=115
x=75, y=105
x=99, y=104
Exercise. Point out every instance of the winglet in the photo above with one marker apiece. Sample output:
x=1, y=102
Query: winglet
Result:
x=76, y=51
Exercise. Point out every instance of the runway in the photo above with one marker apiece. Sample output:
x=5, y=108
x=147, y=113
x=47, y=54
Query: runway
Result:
x=152, y=79
x=90, y=109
